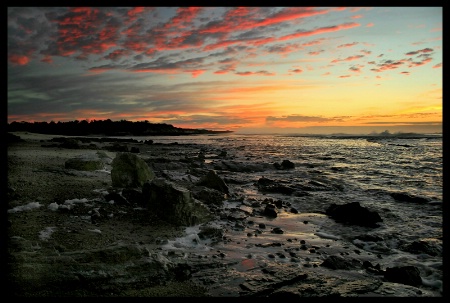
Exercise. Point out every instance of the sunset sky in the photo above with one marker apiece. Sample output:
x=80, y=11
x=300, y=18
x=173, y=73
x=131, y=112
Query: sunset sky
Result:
x=246, y=69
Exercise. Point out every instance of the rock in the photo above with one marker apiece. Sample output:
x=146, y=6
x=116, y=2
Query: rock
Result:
x=211, y=231
x=409, y=275
x=134, y=150
x=405, y=197
x=208, y=195
x=270, y=211
x=337, y=262
x=212, y=180
x=133, y=196
x=245, y=167
x=268, y=185
x=430, y=247
x=285, y=164
x=354, y=213
x=87, y=162
x=173, y=203
x=128, y=170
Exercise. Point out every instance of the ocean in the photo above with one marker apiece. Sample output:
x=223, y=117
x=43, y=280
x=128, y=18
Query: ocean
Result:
x=332, y=169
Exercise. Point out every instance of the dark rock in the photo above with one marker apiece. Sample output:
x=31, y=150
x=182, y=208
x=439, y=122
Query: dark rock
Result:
x=174, y=204
x=128, y=170
x=354, y=213
x=270, y=211
x=134, y=150
x=286, y=164
x=212, y=180
x=133, y=196
x=337, y=262
x=277, y=230
x=430, y=247
x=293, y=210
x=278, y=204
x=211, y=231
x=408, y=198
x=268, y=185
x=409, y=275
x=208, y=195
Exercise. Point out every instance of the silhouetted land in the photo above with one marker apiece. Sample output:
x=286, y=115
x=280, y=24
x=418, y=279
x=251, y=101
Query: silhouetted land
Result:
x=106, y=128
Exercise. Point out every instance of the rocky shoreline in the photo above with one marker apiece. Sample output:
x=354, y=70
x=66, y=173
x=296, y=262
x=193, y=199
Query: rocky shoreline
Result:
x=80, y=226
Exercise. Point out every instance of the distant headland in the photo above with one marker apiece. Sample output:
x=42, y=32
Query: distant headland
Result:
x=107, y=128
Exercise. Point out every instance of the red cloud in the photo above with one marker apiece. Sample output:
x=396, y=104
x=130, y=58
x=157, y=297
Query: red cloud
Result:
x=320, y=31
x=262, y=72
x=348, y=44
x=19, y=59
x=297, y=70
x=183, y=17
x=351, y=58
x=238, y=19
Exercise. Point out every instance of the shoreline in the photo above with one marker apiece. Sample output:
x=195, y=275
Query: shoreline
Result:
x=37, y=177
x=56, y=247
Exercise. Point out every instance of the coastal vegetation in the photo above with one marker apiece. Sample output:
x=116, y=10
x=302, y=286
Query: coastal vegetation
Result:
x=106, y=128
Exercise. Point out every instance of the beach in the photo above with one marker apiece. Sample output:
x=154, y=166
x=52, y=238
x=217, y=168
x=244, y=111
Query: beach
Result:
x=72, y=233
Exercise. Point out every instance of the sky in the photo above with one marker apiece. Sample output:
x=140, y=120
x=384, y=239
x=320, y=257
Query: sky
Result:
x=245, y=69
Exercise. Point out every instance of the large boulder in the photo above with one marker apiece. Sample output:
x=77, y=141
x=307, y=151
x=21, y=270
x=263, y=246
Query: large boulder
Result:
x=174, y=204
x=128, y=170
x=354, y=213
x=86, y=162
x=212, y=180
x=409, y=275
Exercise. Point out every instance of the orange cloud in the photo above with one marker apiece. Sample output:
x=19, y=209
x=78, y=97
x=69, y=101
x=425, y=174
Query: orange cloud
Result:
x=19, y=59
x=320, y=31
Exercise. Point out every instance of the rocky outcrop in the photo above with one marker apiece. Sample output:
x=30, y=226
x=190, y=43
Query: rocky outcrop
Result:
x=409, y=275
x=128, y=170
x=174, y=204
x=432, y=247
x=405, y=197
x=337, y=262
x=354, y=213
x=285, y=164
x=208, y=195
x=212, y=180
x=273, y=186
x=237, y=166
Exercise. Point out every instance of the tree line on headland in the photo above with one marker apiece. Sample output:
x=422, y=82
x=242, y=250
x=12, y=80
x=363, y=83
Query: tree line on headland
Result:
x=106, y=128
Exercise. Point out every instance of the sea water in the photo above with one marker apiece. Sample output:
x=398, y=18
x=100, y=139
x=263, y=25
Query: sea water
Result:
x=364, y=169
